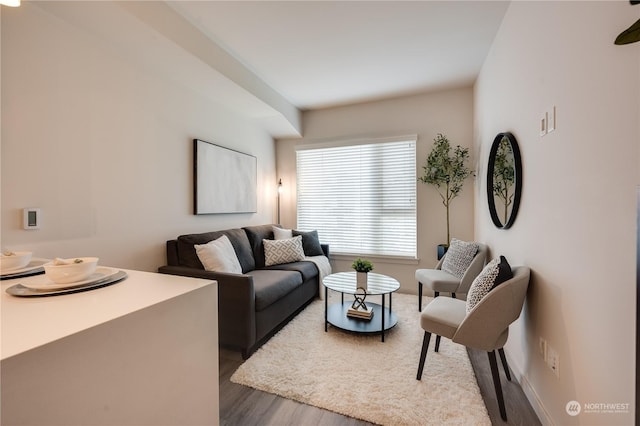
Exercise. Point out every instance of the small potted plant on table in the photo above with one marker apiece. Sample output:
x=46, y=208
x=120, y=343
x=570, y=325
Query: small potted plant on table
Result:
x=362, y=267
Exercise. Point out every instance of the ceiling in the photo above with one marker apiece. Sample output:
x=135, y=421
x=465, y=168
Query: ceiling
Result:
x=318, y=54
x=269, y=60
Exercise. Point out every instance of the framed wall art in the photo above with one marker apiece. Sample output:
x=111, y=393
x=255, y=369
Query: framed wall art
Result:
x=225, y=180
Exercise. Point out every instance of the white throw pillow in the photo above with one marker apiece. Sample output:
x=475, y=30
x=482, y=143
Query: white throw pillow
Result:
x=219, y=255
x=281, y=234
x=277, y=252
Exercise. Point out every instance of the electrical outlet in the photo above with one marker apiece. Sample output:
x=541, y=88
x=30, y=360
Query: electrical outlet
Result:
x=553, y=361
x=542, y=346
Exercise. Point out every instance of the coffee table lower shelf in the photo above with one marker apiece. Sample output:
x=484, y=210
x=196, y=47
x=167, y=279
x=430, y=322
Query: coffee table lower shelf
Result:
x=337, y=316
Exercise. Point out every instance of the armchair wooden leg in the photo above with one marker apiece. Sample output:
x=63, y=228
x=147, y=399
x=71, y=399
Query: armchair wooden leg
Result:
x=496, y=383
x=419, y=296
x=503, y=358
x=423, y=353
x=437, y=343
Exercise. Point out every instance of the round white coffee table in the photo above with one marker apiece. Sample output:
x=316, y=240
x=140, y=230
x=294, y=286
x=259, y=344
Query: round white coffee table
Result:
x=377, y=285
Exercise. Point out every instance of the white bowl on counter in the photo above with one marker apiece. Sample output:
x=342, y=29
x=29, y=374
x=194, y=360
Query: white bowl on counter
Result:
x=16, y=260
x=71, y=270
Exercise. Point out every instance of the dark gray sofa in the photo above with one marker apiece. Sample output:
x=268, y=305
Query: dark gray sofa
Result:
x=252, y=306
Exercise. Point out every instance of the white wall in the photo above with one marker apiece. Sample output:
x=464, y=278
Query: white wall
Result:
x=103, y=145
x=576, y=226
x=449, y=112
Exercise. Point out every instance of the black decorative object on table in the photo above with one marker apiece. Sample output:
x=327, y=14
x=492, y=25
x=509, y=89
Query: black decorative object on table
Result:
x=359, y=310
x=358, y=301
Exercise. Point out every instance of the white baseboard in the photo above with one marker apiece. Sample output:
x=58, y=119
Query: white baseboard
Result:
x=529, y=392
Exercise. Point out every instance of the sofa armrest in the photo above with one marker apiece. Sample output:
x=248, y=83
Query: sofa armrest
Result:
x=325, y=249
x=236, y=304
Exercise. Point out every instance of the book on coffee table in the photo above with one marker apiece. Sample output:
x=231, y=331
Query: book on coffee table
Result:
x=360, y=313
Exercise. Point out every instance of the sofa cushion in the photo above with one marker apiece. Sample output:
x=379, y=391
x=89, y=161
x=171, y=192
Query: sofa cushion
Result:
x=272, y=285
x=256, y=234
x=219, y=255
x=309, y=270
x=277, y=252
x=281, y=233
x=310, y=239
x=310, y=242
x=187, y=253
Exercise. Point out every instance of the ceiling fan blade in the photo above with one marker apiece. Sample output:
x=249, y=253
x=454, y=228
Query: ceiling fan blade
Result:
x=630, y=35
x=634, y=1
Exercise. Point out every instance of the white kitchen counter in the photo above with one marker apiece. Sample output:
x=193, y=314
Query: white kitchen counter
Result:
x=140, y=351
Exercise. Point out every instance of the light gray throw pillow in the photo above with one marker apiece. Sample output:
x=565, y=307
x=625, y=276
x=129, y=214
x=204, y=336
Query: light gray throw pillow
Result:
x=459, y=257
x=277, y=252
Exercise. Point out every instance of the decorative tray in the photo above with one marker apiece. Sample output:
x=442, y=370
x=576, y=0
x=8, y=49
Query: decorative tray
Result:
x=33, y=268
x=104, y=279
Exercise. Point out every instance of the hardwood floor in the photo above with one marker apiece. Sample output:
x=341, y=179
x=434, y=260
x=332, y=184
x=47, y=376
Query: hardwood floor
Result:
x=519, y=411
x=244, y=406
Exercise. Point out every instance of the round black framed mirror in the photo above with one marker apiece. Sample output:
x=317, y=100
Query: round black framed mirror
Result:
x=504, y=180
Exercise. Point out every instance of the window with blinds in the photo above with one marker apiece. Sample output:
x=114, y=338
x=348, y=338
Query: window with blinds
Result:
x=361, y=198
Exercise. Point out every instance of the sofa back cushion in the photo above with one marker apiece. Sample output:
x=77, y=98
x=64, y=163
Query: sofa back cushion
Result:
x=187, y=253
x=256, y=234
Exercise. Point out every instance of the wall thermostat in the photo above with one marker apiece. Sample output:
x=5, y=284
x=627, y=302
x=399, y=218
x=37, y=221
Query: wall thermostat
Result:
x=31, y=218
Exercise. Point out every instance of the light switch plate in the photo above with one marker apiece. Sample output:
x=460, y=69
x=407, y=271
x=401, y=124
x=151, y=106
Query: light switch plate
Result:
x=543, y=124
x=551, y=119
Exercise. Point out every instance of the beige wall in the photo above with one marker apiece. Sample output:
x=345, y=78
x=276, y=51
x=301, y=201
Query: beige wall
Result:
x=576, y=226
x=449, y=112
x=103, y=145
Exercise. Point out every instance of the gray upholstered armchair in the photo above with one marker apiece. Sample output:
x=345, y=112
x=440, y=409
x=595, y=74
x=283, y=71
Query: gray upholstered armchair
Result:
x=438, y=280
x=484, y=327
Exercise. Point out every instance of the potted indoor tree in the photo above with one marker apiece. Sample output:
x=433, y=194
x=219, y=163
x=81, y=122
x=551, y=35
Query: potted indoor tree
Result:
x=446, y=169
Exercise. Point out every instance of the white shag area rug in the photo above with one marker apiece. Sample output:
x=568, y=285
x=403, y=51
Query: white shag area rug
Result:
x=359, y=376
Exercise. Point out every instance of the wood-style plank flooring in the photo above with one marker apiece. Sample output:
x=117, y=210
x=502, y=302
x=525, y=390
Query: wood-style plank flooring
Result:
x=244, y=406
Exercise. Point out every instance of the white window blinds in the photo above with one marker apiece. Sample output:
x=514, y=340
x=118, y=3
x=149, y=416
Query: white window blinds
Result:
x=361, y=198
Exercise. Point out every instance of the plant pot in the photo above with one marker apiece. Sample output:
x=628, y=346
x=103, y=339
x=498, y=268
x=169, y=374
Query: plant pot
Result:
x=361, y=280
x=442, y=249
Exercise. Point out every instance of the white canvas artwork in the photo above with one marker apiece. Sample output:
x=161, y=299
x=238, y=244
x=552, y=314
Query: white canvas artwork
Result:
x=225, y=180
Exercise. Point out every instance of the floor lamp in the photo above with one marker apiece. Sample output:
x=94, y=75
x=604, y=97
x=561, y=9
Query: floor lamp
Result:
x=279, y=193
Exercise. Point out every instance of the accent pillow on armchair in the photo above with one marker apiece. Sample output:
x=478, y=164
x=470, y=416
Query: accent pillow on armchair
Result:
x=494, y=273
x=459, y=257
